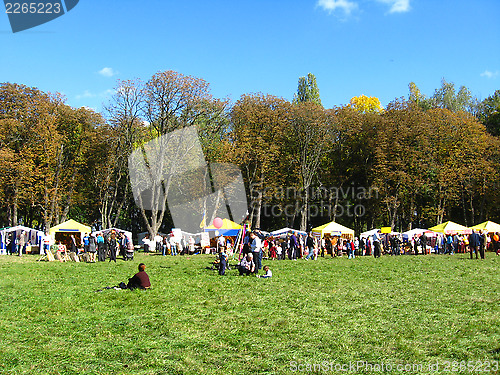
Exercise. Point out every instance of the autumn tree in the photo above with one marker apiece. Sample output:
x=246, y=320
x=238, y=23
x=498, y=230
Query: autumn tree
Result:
x=45, y=141
x=308, y=134
x=171, y=102
x=365, y=104
x=259, y=122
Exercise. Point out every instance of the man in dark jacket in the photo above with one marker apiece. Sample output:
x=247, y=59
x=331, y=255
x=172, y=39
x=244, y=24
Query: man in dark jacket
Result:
x=293, y=247
x=474, y=243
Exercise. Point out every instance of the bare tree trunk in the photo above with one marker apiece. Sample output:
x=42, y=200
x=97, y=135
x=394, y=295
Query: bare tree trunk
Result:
x=304, y=214
x=472, y=212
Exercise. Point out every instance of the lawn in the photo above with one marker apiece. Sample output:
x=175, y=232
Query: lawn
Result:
x=311, y=317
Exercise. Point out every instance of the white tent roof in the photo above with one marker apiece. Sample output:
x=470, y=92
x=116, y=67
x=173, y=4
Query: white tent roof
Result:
x=412, y=232
x=284, y=231
x=20, y=227
x=369, y=233
x=333, y=227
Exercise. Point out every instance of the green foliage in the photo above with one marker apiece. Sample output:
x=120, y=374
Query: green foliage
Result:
x=398, y=310
x=446, y=97
x=490, y=113
x=307, y=90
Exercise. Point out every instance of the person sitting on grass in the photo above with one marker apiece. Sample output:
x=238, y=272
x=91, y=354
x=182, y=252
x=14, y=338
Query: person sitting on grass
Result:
x=268, y=273
x=247, y=266
x=140, y=280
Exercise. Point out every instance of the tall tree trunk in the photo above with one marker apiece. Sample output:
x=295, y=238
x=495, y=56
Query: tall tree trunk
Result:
x=304, y=214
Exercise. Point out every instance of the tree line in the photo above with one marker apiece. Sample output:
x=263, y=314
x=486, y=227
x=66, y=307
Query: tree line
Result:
x=417, y=162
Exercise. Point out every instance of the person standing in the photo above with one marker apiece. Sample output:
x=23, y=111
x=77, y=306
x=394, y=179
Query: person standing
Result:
x=101, y=248
x=173, y=246
x=85, y=241
x=256, y=248
x=474, y=243
x=112, y=246
x=449, y=245
x=47, y=241
x=191, y=244
x=22, y=243
x=495, y=240
x=351, y=249
x=423, y=243
x=310, y=246
x=415, y=244
x=356, y=246
x=293, y=247
x=123, y=240
x=376, y=245
x=92, y=248
x=74, y=247
x=164, y=246
x=221, y=242
x=482, y=243
x=328, y=246
x=158, y=239
x=222, y=261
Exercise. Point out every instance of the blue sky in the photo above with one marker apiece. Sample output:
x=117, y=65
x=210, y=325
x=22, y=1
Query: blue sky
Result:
x=354, y=47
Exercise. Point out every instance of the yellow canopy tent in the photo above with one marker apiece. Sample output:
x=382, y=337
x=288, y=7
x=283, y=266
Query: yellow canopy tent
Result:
x=333, y=228
x=228, y=228
x=63, y=232
x=489, y=226
x=450, y=227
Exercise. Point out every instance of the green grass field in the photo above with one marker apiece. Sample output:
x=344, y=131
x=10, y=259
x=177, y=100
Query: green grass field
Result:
x=397, y=311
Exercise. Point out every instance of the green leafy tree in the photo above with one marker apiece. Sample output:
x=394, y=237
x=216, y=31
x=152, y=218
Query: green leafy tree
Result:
x=448, y=98
x=307, y=90
x=490, y=113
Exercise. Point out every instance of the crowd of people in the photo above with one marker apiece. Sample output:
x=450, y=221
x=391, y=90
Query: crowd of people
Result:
x=169, y=245
x=91, y=247
x=293, y=246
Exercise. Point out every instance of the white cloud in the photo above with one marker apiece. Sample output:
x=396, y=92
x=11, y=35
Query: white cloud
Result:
x=489, y=74
x=332, y=5
x=86, y=94
x=397, y=6
x=107, y=72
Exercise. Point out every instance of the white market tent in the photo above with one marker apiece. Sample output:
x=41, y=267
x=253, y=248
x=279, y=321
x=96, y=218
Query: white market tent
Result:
x=368, y=233
x=284, y=231
x=33, y=235
x=410, y=233
x=488, y=226
x=333, y=228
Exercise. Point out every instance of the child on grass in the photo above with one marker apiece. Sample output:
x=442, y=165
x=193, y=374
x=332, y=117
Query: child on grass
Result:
x=222, y=261
x=268, y=273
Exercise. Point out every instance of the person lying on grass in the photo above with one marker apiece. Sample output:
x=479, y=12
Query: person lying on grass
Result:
x=139, y=281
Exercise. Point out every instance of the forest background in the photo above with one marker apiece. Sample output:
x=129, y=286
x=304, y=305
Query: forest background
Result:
x=417, y=162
